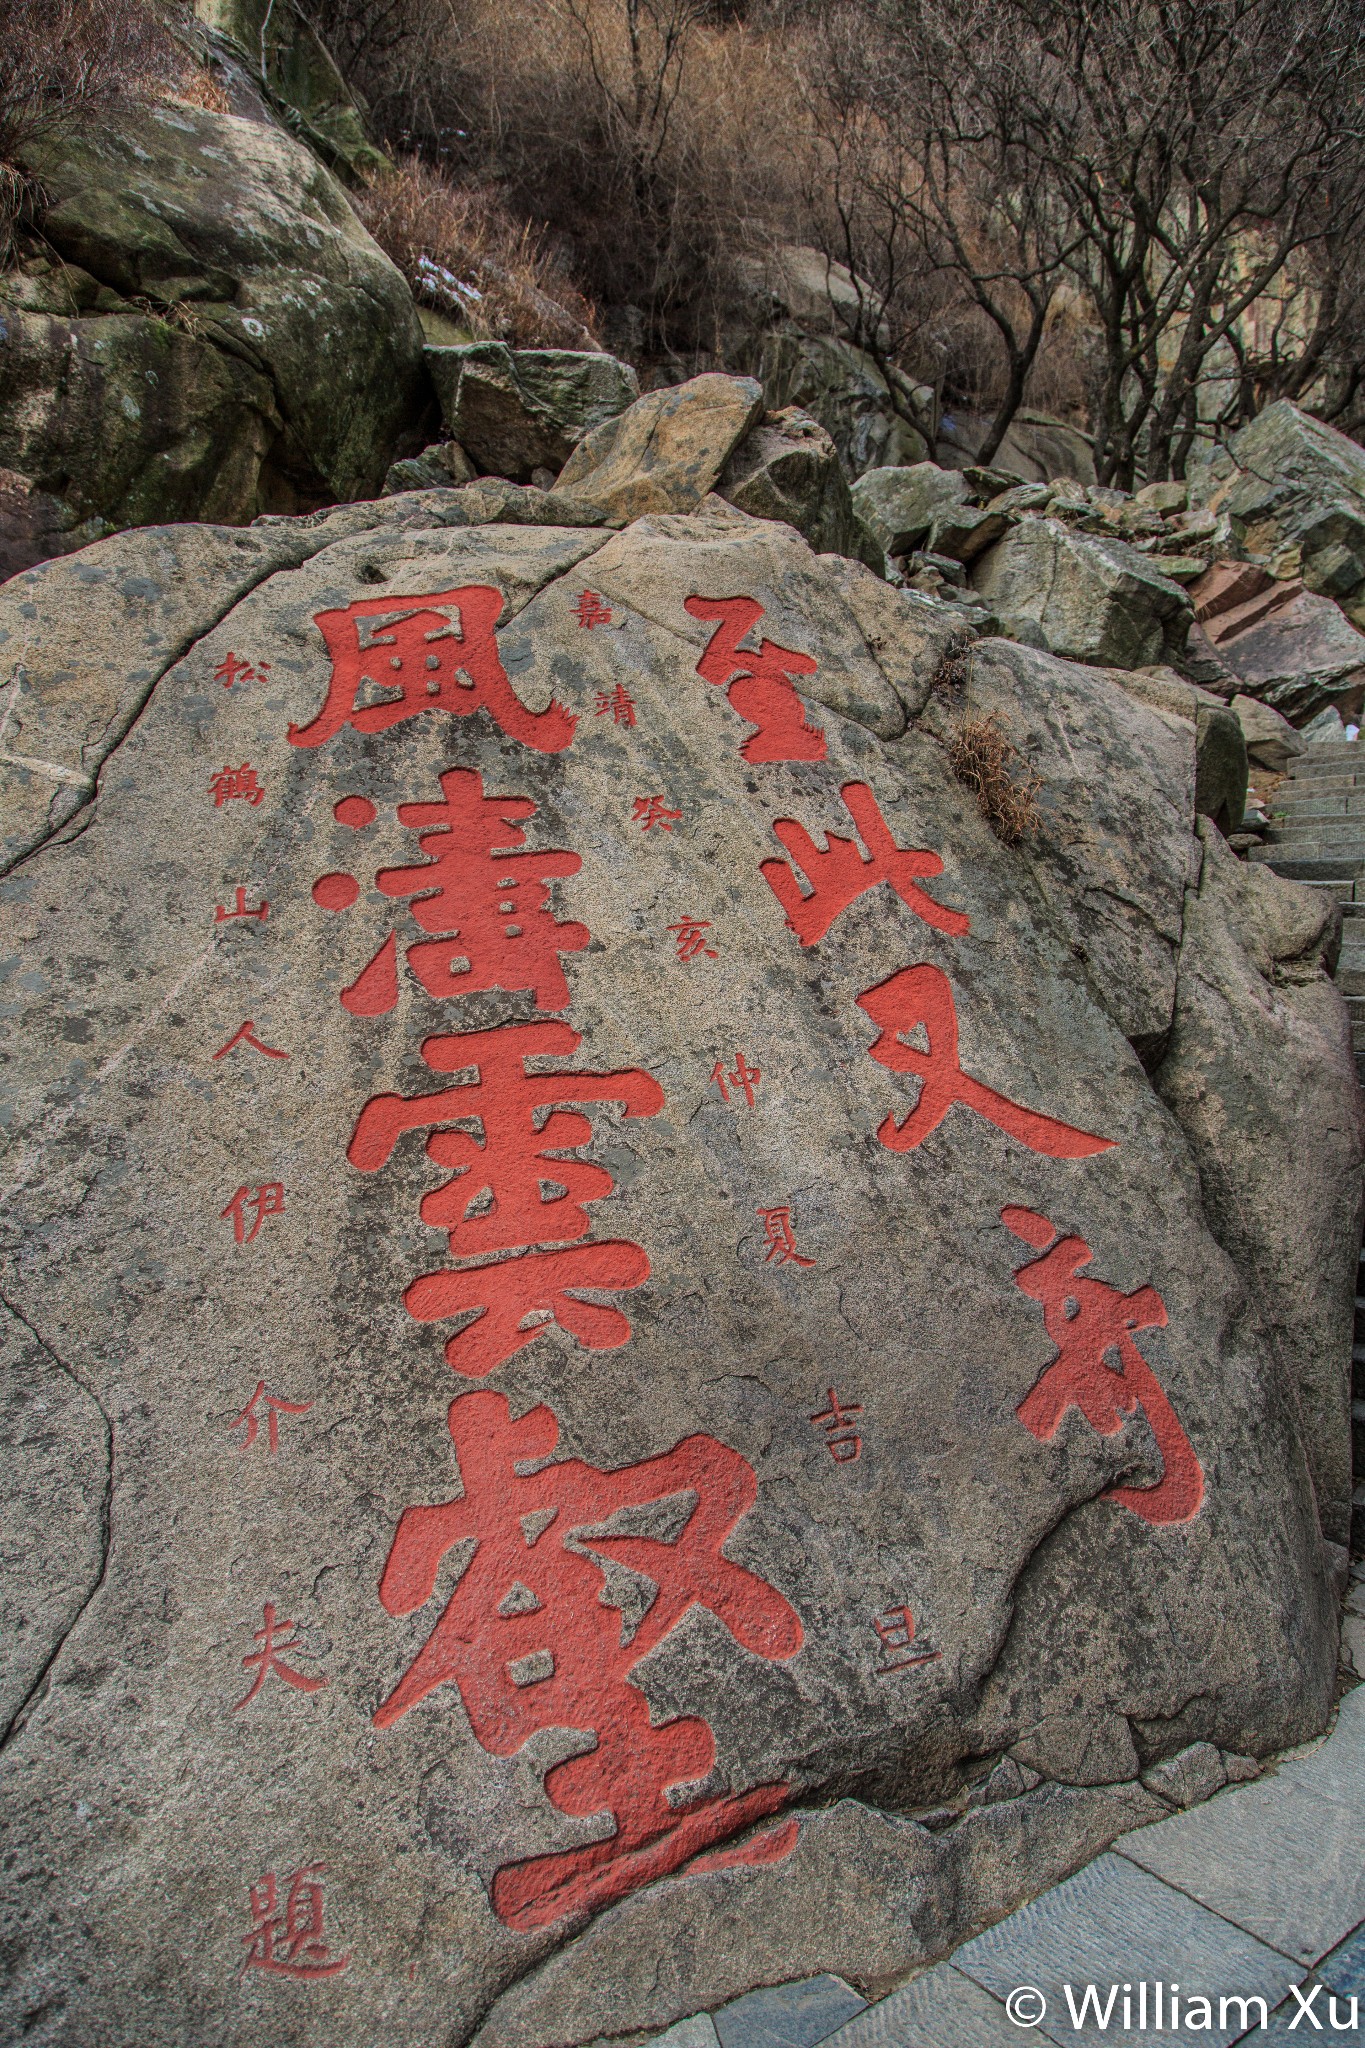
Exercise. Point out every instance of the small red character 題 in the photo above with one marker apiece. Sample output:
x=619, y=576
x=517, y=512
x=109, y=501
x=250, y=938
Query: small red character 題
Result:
x=292, y=1943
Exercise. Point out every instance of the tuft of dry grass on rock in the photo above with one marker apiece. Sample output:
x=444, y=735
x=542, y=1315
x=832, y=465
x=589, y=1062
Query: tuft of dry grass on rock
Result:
x=987, y=761
x=464, y=255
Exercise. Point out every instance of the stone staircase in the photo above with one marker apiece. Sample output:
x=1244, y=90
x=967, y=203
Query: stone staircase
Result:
x=1318, y=838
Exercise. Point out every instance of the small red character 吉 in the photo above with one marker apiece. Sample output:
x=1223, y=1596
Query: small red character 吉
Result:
x=275, y=1408
x=241, y=782
x=691, y=938
x=267, y=1200
x=619, y=703
x=1098, y=1367
x=221, y=916
x=247, y=1036
x=759, y=681
x=896, y=1631
x=652, y=810
x=420, y=653
x=841, y=874
x=292, y=1944
x=273, y=1638
x=743, y=1077
x=529, y=1640
x=780, y=1238
x=230, y=670
x=922, y=997
x=843, y=1444
x=495, y=1202
x=591, y=610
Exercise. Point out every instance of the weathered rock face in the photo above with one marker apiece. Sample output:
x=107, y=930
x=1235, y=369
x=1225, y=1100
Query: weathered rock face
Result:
x=666, y=452
x=1301, y=657
x=842, y=387
x=1093, y=599
x=787, y=468
x=519, y=410
x=554, y=1673
x=221, y=336
x=1291, y=482
x=900, y=504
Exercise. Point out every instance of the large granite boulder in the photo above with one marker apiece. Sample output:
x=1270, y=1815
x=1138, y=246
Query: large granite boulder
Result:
x=788, y=468
x=842, y=386
x=1291, y=482
x=516, y=410
x=667, y=451
x=1301, y=657
x=900, y=503
x=1092, y=598
x=263, y=45
x=459, y=921
x=220, y=336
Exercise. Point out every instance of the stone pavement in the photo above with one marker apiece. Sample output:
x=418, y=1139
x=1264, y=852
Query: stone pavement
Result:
x=1260, y=1889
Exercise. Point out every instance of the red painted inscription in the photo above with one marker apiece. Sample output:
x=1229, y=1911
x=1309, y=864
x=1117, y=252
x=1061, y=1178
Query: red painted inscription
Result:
x=758, y=681
x=1099, y=1368
x=414, y=648
x=921, y=998
x=273, y=1636
x=896, y=1633
x=495, y=1202
x=592, y=611
x=652, y=810
x=230, y=670
x=247, y=1036
x=291, y=1943
x=530, y=1642
x=742, y=1077
x=619, y=703
x=267, y=1200
x=221, y=916
x=230, y=784
x=841, y=874
x=780, y=1238
x=841, y=1436
x=691, y=938
x=275, y=1408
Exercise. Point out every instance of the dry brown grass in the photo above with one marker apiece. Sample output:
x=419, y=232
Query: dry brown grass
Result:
x=463, y=254
x=987, y=761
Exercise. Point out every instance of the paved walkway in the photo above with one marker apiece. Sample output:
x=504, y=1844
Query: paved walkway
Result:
x=1259, y=1890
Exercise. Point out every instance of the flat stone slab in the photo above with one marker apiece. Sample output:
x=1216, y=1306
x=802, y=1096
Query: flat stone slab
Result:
x=1343, y=1971
x=697, y=2032
x=1280, y=1857
x=1113, y=1924
x=941, y=2009
x=788, y=2015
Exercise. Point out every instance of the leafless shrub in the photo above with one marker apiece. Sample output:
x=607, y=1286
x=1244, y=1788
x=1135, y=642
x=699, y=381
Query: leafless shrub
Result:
x=64, y=58
x=987, y=761
x=462, y=253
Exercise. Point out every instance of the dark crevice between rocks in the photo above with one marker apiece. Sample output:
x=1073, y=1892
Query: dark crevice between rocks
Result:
x=38, y=1689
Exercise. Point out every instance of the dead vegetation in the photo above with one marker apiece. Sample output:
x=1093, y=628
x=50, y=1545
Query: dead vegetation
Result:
x=987, y=762
x=464, y=255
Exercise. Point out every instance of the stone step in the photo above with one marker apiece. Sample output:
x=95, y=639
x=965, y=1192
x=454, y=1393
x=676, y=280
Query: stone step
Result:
x=1355, y=1008
x=1351, y=981
x=1319, y=835
x=1317, y=803
x=1315, y=788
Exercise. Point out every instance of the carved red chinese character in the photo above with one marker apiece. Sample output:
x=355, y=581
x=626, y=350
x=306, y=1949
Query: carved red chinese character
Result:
x=494, y=1200
x=221, y=916
x=292, y=1943
x=230, y=670
x=691, y=938
x=841, y=874
x=843, y=1443
x=742, y=1076
x=531, y=1643
x=896, y=1632
x=275, y=1407
x=414, y=648
x=273, y=1637
x=267, y=1200
x=619, y=703
x=247, y=1036
x=652, y=810
x=780, y=1238
x=592, y=611
x=231, y=784
x=922, y=998
x=759, y=681
x=1099, y=1368
x=491, y=903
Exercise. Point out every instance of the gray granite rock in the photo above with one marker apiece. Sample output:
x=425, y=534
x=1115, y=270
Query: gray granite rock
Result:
x=788, y=468
x=899, y=505
x=797, y=1513
x=1094, y=598
x=519, y=409
x=667, y=451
